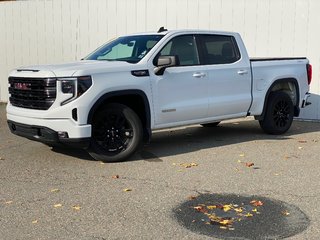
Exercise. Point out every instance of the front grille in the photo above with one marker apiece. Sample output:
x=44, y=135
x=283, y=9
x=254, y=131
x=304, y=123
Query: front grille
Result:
x=33, y=93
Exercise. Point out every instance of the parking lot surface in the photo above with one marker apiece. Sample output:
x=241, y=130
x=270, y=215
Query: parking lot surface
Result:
x=64, y=194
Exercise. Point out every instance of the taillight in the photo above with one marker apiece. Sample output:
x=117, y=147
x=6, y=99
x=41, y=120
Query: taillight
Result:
x=309, y=73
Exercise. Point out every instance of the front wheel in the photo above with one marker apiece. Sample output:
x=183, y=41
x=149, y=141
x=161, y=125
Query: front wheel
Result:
x=279, y=114
x=116, y=133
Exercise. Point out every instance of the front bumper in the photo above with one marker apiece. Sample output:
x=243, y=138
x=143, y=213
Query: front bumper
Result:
x=47, y=135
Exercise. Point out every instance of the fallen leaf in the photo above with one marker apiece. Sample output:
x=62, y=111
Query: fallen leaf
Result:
x=212, y=207
x=34, y=221
x=55, y=190
x=300, y=148
x=115, y=176
x=256, y=203
x=192, y=197
x=254, y=210
x=241, y=155
x=249, y=164
x=188, y=165
x=239, y=161
x=226, y=222
x=76, y=207
x=127, y=190
x=226, y=208
x=238, y=210
x=8, y=202
x=285, y=213
x=58, y=205
x=248, y=215
x=223, y=227
x=200, y=209
x=102, y=163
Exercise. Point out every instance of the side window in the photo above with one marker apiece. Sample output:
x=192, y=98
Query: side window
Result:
x=184, y=47
x=219, y=49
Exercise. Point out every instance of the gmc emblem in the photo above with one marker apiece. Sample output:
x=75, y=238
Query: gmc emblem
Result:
x=22, y=86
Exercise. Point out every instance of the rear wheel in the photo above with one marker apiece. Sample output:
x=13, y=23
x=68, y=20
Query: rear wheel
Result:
x=279, y=114
x=116, y=133
x=213, y=124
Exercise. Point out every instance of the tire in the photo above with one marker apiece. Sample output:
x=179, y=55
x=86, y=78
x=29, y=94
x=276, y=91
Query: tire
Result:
x=117, y=133
x=213, y=124
x=279, y=114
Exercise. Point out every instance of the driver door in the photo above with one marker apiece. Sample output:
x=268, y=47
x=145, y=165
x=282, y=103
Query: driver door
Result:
x=180, y=93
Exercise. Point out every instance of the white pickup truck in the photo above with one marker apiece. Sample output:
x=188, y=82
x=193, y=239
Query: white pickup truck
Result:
x=110, y=101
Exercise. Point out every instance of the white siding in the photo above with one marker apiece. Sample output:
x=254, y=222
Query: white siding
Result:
x=44, y=31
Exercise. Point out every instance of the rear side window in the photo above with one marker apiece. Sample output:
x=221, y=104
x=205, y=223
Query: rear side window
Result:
x=217, y=49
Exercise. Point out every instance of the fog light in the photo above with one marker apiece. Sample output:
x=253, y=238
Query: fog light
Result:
x=63, y=135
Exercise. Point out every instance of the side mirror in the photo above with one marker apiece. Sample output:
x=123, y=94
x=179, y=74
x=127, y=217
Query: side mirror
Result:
x=165, y=61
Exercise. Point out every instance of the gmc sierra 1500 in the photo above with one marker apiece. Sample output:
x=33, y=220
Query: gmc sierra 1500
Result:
x=109, y=102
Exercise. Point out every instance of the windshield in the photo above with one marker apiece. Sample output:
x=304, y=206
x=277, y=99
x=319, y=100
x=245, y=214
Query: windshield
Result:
x=130, y=49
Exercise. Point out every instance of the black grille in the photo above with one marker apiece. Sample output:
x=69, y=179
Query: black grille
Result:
x=33, y=93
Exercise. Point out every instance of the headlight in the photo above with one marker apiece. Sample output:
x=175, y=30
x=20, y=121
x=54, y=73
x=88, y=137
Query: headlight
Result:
x=74, y=86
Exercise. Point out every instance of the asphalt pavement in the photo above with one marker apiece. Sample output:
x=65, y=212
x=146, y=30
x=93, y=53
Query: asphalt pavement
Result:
x=263, y=187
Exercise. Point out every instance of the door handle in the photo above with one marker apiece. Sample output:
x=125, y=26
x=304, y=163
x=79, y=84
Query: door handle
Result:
x=199, y=75
x=242, y=72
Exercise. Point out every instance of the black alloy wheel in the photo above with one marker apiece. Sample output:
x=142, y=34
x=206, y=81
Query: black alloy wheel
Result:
x=279, y=114
x=116, y=133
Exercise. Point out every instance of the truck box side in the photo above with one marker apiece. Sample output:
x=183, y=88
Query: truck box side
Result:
x=266, y=72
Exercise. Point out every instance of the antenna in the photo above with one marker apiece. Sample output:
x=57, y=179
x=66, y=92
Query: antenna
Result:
x=162, y=29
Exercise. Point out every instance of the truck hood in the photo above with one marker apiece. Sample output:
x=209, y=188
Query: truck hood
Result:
x=80, y=68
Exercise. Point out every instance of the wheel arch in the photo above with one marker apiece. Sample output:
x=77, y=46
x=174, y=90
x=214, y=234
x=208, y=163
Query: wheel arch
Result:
x=285, y=85
x=135, y=99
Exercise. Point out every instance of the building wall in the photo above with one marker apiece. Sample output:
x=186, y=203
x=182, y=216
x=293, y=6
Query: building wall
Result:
x=55, y=31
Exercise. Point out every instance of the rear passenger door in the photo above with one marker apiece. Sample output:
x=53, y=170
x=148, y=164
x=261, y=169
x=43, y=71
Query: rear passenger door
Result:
x=229, y=76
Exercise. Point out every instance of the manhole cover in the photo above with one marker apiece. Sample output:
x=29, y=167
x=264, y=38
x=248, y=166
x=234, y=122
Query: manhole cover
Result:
x=230, y=216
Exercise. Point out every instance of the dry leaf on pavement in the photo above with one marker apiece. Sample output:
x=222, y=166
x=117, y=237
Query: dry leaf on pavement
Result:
x=192, y=197
x=188, y=165
x=58, y=205
x=76, y=207
x=115, y=176
x=249, y=164
x=127, y=190
x=55, y=190
x=256, y=203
